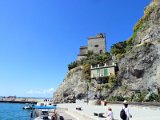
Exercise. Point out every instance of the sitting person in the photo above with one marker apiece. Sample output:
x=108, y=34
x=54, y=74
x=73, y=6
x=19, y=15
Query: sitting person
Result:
x=109, y=114
x=54, y=116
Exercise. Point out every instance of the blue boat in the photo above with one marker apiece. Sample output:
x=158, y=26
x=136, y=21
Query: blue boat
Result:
x=44, y=107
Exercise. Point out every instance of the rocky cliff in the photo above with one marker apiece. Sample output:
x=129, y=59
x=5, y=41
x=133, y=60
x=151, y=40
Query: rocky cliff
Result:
x=139, y=66
x=74, y=84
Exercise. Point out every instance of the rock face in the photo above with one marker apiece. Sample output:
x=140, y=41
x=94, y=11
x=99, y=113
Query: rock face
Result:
x=143, y=59
x=139, y=69
x=147, y=28
x=74, y=85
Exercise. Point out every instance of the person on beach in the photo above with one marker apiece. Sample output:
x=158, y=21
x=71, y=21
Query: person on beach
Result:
x=126, y=109
x=54, y=116
x=109, y=115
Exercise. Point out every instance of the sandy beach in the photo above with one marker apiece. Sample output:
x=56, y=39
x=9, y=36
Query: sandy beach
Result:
x=88, y=110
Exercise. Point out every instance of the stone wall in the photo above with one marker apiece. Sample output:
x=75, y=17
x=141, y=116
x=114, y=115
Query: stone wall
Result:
x=83, y=50
x=156, y=2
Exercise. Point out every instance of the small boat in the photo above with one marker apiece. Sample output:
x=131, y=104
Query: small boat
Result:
x=27, y=106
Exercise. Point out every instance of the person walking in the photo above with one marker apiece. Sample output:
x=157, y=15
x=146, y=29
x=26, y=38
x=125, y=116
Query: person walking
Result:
x=125, y=114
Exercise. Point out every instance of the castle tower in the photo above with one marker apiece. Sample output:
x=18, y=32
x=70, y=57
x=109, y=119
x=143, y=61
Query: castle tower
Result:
x=97, y=44
x=157, y=2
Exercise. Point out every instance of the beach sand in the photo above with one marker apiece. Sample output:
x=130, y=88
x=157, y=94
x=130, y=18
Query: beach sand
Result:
x=88, y=110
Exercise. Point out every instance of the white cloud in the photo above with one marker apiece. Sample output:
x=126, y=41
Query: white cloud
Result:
x=43, y=92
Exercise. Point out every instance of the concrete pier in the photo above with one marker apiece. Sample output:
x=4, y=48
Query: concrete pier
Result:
x=20, y=100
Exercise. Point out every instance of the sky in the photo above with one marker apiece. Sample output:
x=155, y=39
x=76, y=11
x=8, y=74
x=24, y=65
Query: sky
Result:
x=39, y=38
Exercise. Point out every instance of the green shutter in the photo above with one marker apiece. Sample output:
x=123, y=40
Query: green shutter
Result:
x=98, y=72
x=105, y=72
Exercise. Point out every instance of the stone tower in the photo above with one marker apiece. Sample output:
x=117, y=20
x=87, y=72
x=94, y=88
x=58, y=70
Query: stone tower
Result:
x=97, y=44
x=157, y=2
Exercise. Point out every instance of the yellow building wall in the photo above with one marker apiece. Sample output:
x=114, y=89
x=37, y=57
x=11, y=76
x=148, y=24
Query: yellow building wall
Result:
x=99, y=72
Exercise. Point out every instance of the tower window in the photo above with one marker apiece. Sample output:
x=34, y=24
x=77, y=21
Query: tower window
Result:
x=96, y=46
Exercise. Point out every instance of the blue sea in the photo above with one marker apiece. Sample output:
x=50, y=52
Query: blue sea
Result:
x=14, y=111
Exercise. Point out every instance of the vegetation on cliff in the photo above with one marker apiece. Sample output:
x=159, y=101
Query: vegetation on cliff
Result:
x=119, y=49
x=91, y=59
x=137, y=59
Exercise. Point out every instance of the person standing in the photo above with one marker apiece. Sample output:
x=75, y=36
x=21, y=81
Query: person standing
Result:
x=55, y=115
x=126, y=109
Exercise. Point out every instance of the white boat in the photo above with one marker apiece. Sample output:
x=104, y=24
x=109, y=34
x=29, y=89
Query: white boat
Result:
x=27, y=106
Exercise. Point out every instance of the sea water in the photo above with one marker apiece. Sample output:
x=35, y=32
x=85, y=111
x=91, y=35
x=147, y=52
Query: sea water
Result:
x=14, y=111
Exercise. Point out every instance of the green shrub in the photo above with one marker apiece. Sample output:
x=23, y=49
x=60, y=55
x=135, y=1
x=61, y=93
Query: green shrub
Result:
x=90, y=53
x=118, y=48
x=138, y=26
x=112, y=98
x=120, y=98
x=153, y=97
x=139, y=97
x=106, y=86
x=92, y=59
x=72, y=65
x=145, y=96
